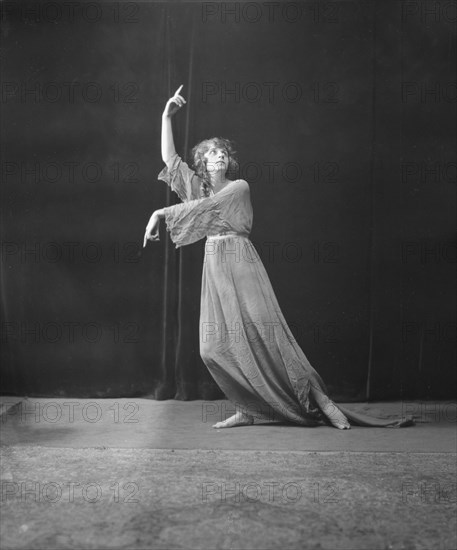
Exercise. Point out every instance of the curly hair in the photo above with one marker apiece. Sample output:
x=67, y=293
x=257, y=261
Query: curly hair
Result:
x=199, y=160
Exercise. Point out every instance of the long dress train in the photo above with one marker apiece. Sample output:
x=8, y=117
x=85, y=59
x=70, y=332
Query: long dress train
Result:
x=245, y=341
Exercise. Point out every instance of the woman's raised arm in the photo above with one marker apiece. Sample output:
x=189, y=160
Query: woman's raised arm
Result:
x=173, y=105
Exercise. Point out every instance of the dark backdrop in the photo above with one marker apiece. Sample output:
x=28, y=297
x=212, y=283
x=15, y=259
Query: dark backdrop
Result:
x=344, y=118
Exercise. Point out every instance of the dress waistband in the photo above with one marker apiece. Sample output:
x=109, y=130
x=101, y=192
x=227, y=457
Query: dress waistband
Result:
x=224, y=234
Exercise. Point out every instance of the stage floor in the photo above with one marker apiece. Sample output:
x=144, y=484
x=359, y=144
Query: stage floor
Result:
x=144, y=423
x=141, y=474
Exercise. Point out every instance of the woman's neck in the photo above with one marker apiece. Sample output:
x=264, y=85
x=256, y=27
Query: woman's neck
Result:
x=218, y=180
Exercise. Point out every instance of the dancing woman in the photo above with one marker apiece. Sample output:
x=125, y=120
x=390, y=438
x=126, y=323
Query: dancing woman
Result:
x=245, y=341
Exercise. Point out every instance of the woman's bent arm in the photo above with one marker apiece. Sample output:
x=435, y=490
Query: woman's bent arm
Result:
x=168, y=144
x=167, y=141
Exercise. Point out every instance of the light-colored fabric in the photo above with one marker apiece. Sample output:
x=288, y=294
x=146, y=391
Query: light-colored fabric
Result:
x=191, y=221
x=245, y=341
x=228, y=210
x=181, y=179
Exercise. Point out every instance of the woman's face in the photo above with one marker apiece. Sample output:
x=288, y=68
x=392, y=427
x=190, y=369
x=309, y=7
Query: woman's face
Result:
x=216, y=159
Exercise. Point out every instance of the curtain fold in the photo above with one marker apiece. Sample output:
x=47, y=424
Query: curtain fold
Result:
x=184, y=375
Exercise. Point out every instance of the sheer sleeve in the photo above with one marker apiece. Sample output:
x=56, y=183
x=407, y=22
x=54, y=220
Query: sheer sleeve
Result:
x=181, y=179
x=191, y=221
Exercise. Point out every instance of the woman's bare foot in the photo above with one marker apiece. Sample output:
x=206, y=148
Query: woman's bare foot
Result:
x=238, y=419
x=331, y=411
x=336, y=417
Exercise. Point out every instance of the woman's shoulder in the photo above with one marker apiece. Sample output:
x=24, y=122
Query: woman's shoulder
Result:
x=241, y=184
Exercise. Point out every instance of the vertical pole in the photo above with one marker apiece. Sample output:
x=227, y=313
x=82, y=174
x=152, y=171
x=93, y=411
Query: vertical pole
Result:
x=372, y=233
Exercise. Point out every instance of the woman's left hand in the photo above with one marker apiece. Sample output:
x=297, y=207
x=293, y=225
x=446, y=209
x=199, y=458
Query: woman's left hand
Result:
x=152, y=229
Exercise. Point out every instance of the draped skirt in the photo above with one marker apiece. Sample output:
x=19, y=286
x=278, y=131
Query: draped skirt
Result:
x=246, y=344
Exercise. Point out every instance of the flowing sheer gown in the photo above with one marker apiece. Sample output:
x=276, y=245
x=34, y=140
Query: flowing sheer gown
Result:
x=245, y=341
